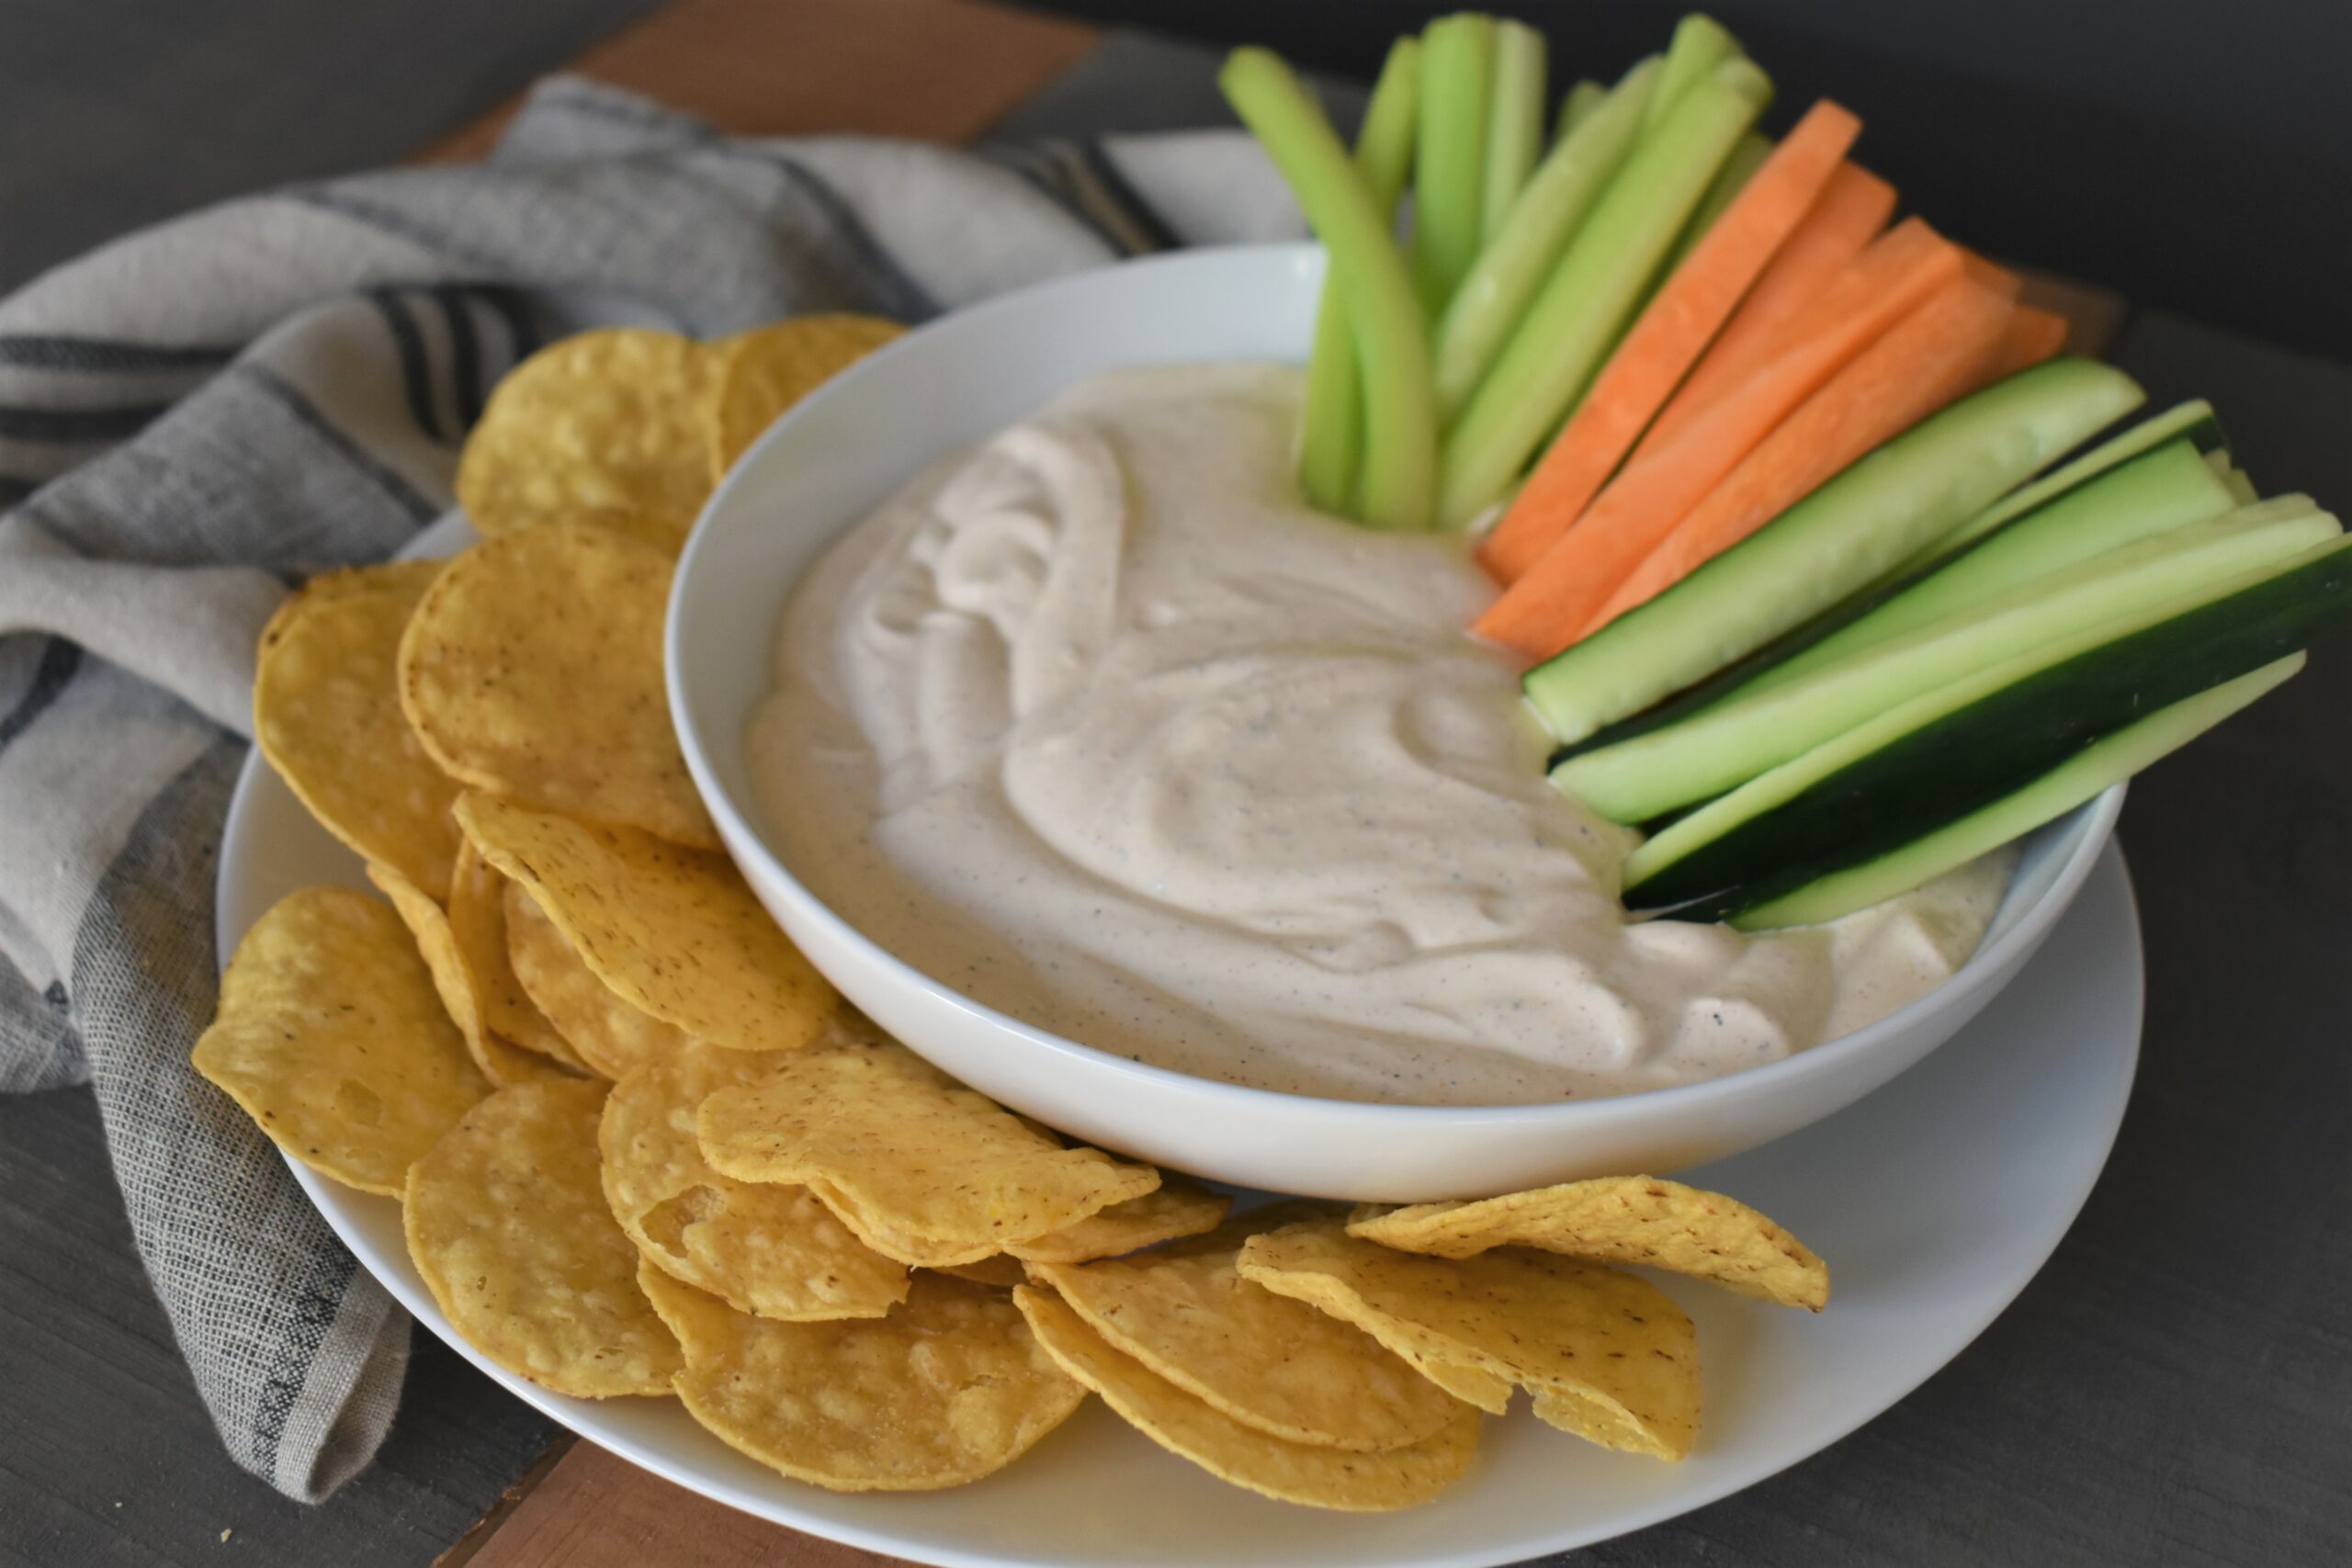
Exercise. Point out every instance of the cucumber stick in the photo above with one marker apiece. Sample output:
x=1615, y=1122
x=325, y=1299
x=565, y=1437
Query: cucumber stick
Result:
x=1849, y=533
x=1479, y=317
x=1450, y=166
x=2193, y=420
x=2151, y=494
x=1514, y=123
x=1920, y=767
x=1754, y=731
x=1331, y=429
x=2081, y=777
x=1600, y=281
x=1391, y=332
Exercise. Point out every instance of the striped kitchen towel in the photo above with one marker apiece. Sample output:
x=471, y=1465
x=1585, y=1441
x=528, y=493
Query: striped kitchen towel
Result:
x=199, y=416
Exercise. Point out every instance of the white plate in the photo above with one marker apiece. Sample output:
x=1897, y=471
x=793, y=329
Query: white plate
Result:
x=1931, y=1227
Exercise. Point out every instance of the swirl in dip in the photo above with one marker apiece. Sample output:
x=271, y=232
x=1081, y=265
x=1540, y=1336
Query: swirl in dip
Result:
x=1101, y=725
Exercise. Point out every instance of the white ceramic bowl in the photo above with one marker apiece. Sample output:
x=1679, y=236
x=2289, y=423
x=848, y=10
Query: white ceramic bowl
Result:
x=961, y=378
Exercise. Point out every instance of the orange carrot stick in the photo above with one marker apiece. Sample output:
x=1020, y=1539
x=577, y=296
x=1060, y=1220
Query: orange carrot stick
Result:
x=1539, y=614
x=1954, y=342
x=2035, y=334
x=1845, y=217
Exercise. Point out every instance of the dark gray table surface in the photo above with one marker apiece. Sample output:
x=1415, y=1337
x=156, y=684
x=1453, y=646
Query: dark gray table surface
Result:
x=2174, y=1388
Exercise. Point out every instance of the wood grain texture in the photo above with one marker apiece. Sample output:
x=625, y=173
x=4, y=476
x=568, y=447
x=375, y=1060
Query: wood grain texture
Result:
x=936, y=70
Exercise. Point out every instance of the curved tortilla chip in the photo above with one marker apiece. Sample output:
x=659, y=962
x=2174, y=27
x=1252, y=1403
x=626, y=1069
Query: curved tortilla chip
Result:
x=1176, y=1208
x=677, y=934
x=327, y=716
x=612, y=419
x=501, y=1062
x=766, y=370
x=507, y=1221
x=1621, y=1219
x=331, y=1036
x=1608, y=1356
x=771, y=1251
x=950, y=1387
x=1191, y=1428
x=1260, y=1358
x=611, y=1037
x=848, y=1119
x=519, y=1044
x=532, y=668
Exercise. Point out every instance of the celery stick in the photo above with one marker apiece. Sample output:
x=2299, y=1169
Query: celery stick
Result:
x=1511, y=269
x=1450, y=163
x=1745, y=160
x=1577, y=107
x=1514, y=122
x=1331, y=432
x=1391, y=332
x=1600, y=281
x=1700, y=45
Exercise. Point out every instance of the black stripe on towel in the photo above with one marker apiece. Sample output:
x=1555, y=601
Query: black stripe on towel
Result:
x=34, y=351
x=416, y=369
x=119, y=422
x=1117, y=187
x=290, y=397
x=465, y=353
x=58, y=660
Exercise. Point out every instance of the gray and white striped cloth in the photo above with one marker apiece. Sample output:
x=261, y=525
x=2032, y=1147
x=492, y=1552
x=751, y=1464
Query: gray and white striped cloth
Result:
x=196, y=417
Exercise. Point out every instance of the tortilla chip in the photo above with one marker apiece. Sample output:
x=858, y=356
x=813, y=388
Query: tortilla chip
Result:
x=950, y=1387
x=771, y=1251
x=915, y=1251
x=518, y=1043
x=766, y=370
x=330, y=1035
x=677, y=933
x=613, y=419
x=1621, y=1219
x=1262, y=1360
x=913, y=1150
x=1176, y=1208
x=532, y=668
x=1193, y=1430
x=612, y=1038
x=327, y=716
x=1607, y=1355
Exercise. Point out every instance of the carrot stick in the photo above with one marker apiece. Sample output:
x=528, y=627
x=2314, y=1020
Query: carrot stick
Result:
x=1957, y=340
x=2035, y=334
x=1845, y=218
x=1582, y=567
x=1672, y=332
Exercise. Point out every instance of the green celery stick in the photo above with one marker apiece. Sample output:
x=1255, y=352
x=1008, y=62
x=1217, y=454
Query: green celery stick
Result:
x=1511, y=269
x=1390, y=331
x=1598, y=282
x=1577, y=107
x=1514, y=122
x=1745, y=160
x=1450, y=163
x=1331, y=438
x=1700, y=45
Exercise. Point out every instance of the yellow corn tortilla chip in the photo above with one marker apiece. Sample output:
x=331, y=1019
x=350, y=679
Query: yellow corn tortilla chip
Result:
x=766, y=370
x=771, y=1251
x=327, y=716
x=611, y=419
x=1621, y=1219
x=913, y=1149
x=612, y=1037
x=437, y=945
x=915, y=1251
x=1607, y=1355
x=532, y=668
x=950, y=1387
x=330, y=1035
x=677, y=934
x=1176, y=1208
x=1262, y=1360
x=1193, y=1430
x=519, y=1043
x=507, y=1223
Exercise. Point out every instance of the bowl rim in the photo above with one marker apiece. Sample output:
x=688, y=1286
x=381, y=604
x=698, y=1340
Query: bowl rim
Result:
x=2088, y=826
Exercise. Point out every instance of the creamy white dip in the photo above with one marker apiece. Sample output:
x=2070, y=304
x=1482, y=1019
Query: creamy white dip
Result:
x=1101, y=725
